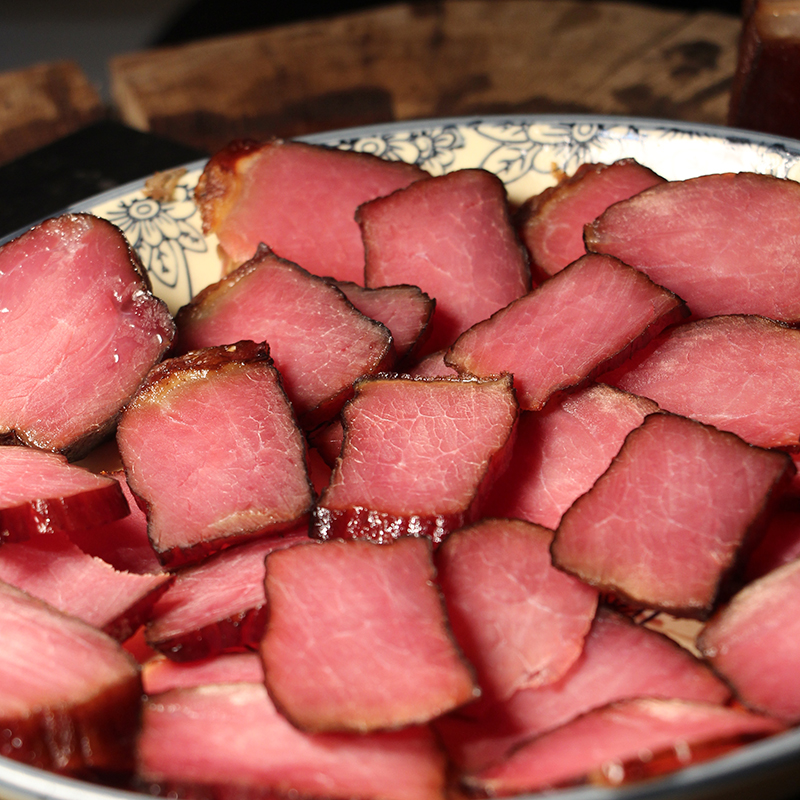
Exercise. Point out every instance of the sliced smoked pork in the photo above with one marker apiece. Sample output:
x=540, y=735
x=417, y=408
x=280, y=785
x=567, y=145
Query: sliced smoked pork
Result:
x=663, y=526
x=726, y=244
x=298, y=199
x=357, y=637
x=211, y=446
x=584, y=319
x=319, y=342
x=550, y=224
x=451, y=236
x=160, y=674
x=416, y=457
x=80, y=331
x=520, y=621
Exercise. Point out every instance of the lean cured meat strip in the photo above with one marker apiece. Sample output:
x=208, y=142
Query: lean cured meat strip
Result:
x=357, y=637
x=519, y=621
x=318, y=341
x=298, y=199
x=81, y=330
x=69, y=695
x=226, y=476
x=692, y=495
x=159, y=674
x=726, y=244
x=416, y=458
x=550, y=224
x=451, y=236
x=584, y=319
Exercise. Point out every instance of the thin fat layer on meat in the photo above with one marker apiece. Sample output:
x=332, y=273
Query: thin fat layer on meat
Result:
x=357, y=637
x=520, y=621
x=417, y=456
x=211, y=479
x=212, y=737
x=298, y=199
x=584, y=319
x=81, y=330
x=664, y=525
x=726, y=243
x=452, y=236
x=318, y=341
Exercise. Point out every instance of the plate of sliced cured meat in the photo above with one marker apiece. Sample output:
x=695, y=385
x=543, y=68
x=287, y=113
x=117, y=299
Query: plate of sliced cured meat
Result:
x=440, y=459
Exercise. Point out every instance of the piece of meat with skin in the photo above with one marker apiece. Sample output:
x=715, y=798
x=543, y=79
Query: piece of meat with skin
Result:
x=452, y=236
x=519, y=621
x=780, y=543
x=606, y=745
x=81, y=329
x=210, y=480
x=722, y=371
x=230, y=740
x=69, y=694
x=160, y=674
x=725, y=243
x=299, y=199
x=319, y=342
x=551, y=223
x=418, y=456
x=560, y=452
x=664, y=526
x=217, y=606
x=357, y=637
x=582, y=321
x=41, y=493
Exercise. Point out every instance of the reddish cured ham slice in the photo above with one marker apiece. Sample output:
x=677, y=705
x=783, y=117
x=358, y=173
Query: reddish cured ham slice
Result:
x=724, y=372
x=69, y=695
x=210, y=480
x=416, y=457
x=81, y=330
x=519, y=621
x=551, y=223
x=216, y=606
x=230, y=740
x=42, y=493
x=357, y=637
x=299, y=199
x=560, y=452
x=432, y=366
x=319, y=342
x=726, y=244
x=451, y=236
x=585, y=319
x=160, y=675
x=607, y=744
x=664, y=524
x=754, y=643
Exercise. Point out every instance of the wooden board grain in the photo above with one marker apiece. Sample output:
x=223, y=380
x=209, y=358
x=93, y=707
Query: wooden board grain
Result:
x=413, y=60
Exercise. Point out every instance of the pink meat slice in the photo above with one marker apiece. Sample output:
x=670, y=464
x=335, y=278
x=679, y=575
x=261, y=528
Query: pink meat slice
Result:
x=551, y=223
x=663, y=526
x=81, y=330
x=211, y=446
x=41, y=492
x=432, y=366
x=219, y=605
x=319, y=342
x=722, y=371
x=299, y=199
x=620, y=660
x=560, y=452
x=357, y=637
x=160, y=674
x=606, y=745
x=725, y=243
x=69, y=695
x=519, y=621
x=231, y=740
x=584, y=319
x=451, y=236
x=754, y=643
x=416, y=457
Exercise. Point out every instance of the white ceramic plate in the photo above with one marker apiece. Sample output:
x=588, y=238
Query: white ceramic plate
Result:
x=526, y=152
